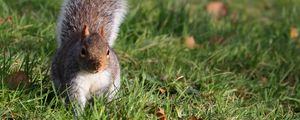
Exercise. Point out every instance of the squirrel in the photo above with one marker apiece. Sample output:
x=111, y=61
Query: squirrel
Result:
x=85, y=64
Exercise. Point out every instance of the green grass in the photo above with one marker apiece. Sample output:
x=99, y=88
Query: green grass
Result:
x=253, y=74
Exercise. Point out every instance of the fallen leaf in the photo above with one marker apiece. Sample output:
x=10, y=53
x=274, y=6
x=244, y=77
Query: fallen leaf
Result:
x=161, y=114
x=191, y=43
x=194, y=118
x=294, y=32
x=17, y=78
x=1, y=21
x=179, y=77
x=7, y=19
x=162, y=90
x=216, y=40
x=216, y=8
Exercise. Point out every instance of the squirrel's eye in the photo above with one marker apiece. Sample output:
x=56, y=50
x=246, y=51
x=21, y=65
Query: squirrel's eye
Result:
x=107, y=52
x=83, y=52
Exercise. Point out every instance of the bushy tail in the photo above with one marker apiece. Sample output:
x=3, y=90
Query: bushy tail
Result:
x=118, y=18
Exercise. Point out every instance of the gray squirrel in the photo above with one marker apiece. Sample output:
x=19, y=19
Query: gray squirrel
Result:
x=85, y=65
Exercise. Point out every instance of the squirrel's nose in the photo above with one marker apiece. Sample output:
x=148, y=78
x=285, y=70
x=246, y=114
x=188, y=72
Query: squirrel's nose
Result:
x=97, y=65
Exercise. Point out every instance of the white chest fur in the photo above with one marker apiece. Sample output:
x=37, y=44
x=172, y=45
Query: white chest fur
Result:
x=89, y=83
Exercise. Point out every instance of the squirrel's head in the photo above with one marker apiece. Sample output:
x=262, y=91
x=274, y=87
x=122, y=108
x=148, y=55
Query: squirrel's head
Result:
x=94, y=50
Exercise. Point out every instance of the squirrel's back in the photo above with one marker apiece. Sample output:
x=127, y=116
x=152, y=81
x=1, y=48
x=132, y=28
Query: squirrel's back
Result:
x=93, y=13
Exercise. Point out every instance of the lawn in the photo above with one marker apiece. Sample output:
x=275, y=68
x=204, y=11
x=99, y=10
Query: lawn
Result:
x=246, y=64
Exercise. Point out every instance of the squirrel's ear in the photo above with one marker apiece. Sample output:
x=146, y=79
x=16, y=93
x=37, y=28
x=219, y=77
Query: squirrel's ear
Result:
x=102, y=31
x=85, y=31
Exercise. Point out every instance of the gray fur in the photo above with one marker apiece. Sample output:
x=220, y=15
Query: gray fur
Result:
x=66, y=66
x=75, y=13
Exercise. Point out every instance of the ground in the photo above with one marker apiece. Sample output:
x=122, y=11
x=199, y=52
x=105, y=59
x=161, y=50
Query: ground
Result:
x=245, y=65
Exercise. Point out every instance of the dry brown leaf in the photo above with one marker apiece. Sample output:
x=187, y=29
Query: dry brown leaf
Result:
x=194, y=118
x=7, y=19
x=294, y=32
x=191, y=43
x=161, y=114
x=17, y=78
x=216, y=8
x=162, y=90
x=1, y=21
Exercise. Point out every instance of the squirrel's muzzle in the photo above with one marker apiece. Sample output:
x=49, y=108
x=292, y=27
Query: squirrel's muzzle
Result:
x=97, y=66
